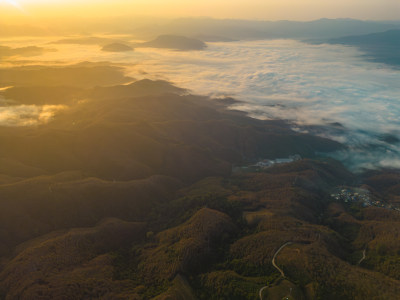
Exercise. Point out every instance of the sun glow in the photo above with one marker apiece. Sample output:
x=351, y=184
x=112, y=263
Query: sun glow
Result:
x=14, y=3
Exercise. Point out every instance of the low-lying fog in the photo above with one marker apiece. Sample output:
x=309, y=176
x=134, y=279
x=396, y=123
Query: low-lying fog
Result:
x=327, y=90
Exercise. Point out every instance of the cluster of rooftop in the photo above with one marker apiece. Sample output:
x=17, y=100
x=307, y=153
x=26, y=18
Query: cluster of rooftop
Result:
x=363, y=196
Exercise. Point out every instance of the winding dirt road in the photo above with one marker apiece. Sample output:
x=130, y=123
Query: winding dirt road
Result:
x=276, y=267
x=276, y=253
x=363, y=257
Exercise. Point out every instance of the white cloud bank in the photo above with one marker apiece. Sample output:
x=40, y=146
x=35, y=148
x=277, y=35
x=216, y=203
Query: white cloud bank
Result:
x=304, y=84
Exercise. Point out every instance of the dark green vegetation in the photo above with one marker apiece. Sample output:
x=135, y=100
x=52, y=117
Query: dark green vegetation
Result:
x=128, y=194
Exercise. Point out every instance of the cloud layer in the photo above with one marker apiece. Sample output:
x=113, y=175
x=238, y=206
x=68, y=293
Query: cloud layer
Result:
x=308, y=85
x=304, y=84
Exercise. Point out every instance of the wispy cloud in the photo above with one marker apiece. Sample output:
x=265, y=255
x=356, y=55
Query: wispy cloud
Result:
x=28, y=115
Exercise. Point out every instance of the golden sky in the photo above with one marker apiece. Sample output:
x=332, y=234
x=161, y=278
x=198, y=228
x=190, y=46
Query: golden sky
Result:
x=242, y=9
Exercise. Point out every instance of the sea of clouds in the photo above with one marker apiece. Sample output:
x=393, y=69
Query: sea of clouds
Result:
x=328, y=90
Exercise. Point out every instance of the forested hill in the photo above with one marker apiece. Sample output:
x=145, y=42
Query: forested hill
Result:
x=129, y=193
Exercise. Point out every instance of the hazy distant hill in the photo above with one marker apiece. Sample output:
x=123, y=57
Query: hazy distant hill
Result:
x=381, y=47
x=174, y=42
x=116, y=47
x=380, y=39
x=85, y=40
x=213, y=38
x=193, y=27
x=23, y=51
x=246, y=29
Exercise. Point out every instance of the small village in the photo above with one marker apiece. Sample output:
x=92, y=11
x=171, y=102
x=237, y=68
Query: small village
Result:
x=363, y=196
